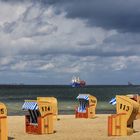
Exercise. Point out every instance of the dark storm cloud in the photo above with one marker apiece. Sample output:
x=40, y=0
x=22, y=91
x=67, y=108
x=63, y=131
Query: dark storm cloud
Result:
x=109, y=14
x=41, y=40
x=31, y=23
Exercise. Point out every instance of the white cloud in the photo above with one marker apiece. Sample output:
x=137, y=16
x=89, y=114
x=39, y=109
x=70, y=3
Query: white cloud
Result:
x=49, y=12
x=34, y=39
x=5, y=60
x=19, y=66
x=46, y=67
x=10, y=12
x=119, y=66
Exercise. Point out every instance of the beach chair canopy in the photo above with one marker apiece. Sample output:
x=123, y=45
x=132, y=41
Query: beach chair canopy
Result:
x=113, y=101
x=30, y=105
x=83, y=100
x=83, y=96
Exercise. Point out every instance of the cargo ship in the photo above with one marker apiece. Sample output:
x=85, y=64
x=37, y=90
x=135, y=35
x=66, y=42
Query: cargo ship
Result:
x=130, y=84
x=76, y=82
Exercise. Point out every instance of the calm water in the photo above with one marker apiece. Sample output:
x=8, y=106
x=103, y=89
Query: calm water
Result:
x=14, y=96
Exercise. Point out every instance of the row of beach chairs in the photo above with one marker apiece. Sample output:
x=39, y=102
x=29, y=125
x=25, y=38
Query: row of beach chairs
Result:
x=41, y=114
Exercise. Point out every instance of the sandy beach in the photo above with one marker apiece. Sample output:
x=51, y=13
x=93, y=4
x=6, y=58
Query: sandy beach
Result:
x=69, y=128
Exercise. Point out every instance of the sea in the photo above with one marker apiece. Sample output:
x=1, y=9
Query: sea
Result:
x=13, y=96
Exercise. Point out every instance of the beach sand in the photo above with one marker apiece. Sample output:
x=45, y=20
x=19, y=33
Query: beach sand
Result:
x=69, y=128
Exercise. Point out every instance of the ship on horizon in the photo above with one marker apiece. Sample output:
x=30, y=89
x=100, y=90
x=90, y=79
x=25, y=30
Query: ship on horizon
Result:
x=76, y=82
x=130, y=84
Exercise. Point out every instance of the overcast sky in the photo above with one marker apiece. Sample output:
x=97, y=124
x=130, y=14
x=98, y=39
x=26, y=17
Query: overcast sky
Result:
x=49, y=41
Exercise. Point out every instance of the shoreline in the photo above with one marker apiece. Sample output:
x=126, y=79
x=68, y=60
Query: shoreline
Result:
x=69, y=128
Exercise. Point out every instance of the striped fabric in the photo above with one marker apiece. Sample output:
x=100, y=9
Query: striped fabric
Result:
x=82, y=106
x=30, y=106
x=83, y=96
x=81, y=109
x=113, y=101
